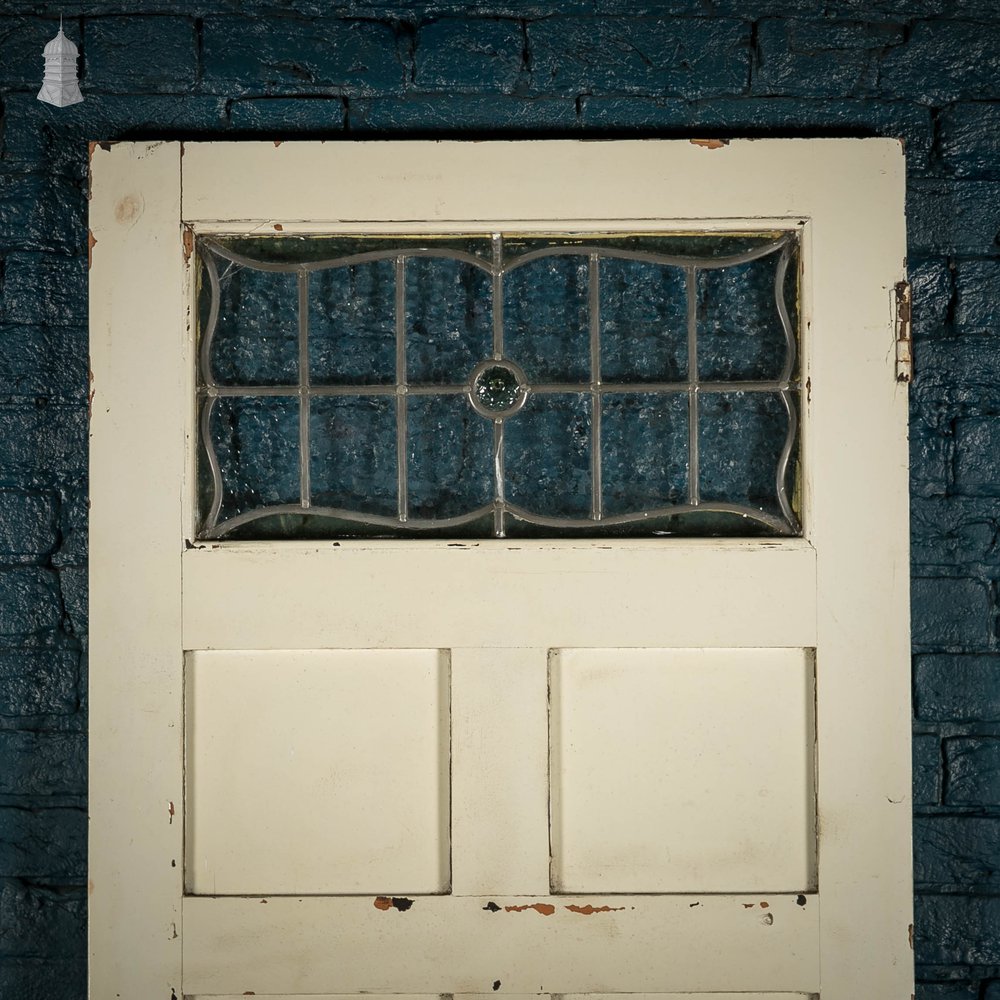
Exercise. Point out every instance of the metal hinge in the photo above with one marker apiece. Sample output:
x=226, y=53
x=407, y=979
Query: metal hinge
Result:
x=904, y=332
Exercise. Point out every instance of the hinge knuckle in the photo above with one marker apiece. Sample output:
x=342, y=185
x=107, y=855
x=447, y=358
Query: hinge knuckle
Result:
x=904, y=331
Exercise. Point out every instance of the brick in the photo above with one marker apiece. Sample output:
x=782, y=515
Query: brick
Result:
x=956, y=851
x=972, y=770
x=73, y=588
x=957, y=930
x=39, y=212
x=931, y=450
x=954, y=531
x=42, y=442
x=932, y=283
x=960, y=374
x=28, y=525
x=43, y=361
x=969, y=139
x=944, y=61
x=926, y=770
x=74, y=512
x=957, y=688
x=768, y=116
x=950, y=612
x=468, y=56
x=977, y=456
x=946, y=217
x=692, y=57
x=44, y=289
x=140, y=55
x=282, y=115
x=43, y=764
x=38, y=682
x=22, y=40
x=42, y=921
x=44, y=979
x=43, y=843
x=29, y=602
x=275, y=55
x=820, y=58
x=450, y=114
x=977, y=302
x=947, y=991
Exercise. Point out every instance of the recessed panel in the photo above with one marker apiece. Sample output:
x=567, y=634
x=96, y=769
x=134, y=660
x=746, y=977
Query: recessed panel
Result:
x=682, y=770
x=319, y=771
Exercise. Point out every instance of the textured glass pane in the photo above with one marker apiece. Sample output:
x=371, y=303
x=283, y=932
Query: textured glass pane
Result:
x=546, y=319
x=411, y=321
x=256, y=340
x=352, y=325
x=449, y=319
x=644, y=449
x=450, y=454
x=644, y=322
x=353, y=453
x=740, y=439
x=740, y=331
x=547, y=455
x=256, y=442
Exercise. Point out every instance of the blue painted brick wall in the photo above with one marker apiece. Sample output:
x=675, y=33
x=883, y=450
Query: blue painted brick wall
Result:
x=925, y=70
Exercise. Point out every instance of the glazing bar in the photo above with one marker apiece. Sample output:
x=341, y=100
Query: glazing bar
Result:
x=401, y=388
x=499, y=502
x=694, y=492
x=596, y=502
x=497, y=296
x=305, y=488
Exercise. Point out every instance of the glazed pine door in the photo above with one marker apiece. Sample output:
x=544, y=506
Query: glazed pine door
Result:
x=656, y=766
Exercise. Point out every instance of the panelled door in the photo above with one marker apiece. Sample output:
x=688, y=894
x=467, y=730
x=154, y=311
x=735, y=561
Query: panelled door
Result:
x=499, y=570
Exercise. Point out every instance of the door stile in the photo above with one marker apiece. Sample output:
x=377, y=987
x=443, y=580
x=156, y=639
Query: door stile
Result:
x=138, y=408
x=858, y=523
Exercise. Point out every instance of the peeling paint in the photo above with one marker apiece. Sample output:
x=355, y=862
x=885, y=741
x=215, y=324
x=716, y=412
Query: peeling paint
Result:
x=545, y=909
x=188, y=240
x=496, y=985
x=748, y=906
x=710, y=143
x=800, y=900
x=170, y=811
x=91, y=243
x=492, y=907
x=279, y=227
x=400, y=903
x=589, y=909
x=764, y=906
x=909, y=934
x=277, y=143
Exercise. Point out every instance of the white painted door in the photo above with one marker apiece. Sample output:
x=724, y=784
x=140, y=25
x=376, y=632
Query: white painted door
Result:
x=663, y=766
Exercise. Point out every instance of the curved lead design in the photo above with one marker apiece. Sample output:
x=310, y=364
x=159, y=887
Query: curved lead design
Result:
x=501, y=508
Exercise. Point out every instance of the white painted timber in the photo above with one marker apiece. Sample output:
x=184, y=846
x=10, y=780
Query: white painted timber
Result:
x=651, y=944
x=682, y=770
x=654, y=593
x=500, y=825
x=317, y=772
x=842, y=590
x=138, y=410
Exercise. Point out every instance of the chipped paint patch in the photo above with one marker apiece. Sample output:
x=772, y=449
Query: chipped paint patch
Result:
x=170, y=812
x=710, y=143
x=278, y=142
x=909, y=934
x=91, y=243
x=496, y=985
x=800, y=900
x=187, y=238
x=278, y=227
x=492, y=907
x=400, y=903
x=589, y=909
x=545, y=909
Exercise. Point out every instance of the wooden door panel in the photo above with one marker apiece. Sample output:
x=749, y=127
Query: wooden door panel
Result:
x=317, y=771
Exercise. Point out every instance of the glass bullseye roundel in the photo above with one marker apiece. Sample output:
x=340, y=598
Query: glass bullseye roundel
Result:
x=498, y=388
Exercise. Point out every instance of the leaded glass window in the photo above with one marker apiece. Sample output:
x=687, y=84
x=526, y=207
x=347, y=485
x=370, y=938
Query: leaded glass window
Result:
x=498, y=385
